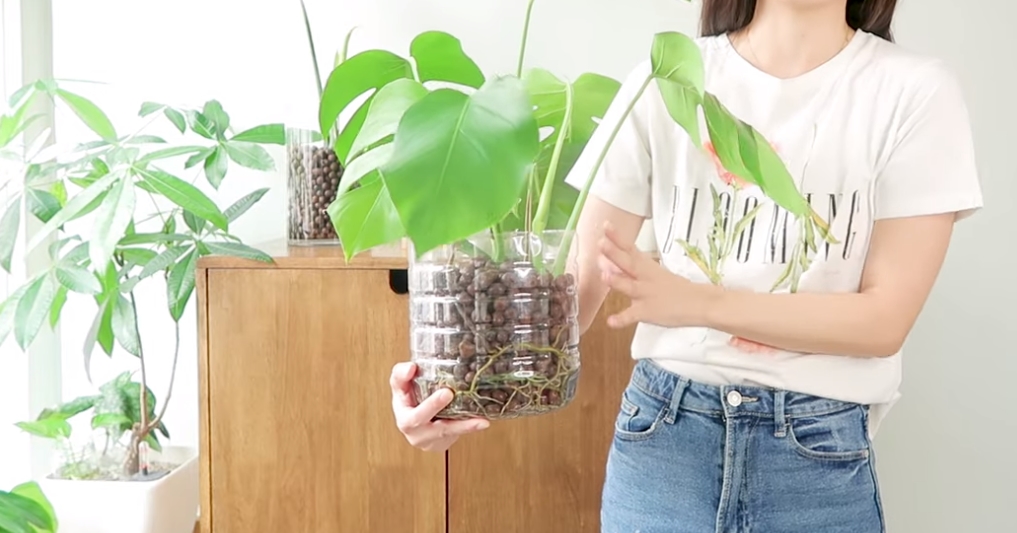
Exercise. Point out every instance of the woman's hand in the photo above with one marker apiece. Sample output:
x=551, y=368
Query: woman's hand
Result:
x=658, y=295
x=415, y=421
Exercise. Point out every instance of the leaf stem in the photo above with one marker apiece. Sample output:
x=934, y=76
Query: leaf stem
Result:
x=544, y=205
x=314, y=54
x=570, y=227
x=526, y=35
x=140, y=430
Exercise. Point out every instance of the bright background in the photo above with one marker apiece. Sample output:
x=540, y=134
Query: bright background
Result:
x=946, y=460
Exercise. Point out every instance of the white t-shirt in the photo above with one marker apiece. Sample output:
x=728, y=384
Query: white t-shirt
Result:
x=876, y=132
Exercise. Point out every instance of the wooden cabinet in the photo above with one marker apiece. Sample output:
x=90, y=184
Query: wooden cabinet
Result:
x=297, y=432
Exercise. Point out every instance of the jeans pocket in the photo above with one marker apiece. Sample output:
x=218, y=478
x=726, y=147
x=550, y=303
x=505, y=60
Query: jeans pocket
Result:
x=640, y=415
x=836, y=436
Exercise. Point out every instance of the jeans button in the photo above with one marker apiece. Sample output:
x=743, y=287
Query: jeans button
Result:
x=734, y=398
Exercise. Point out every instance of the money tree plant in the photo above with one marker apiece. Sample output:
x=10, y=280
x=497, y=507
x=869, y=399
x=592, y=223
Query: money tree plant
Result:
x=113, y=213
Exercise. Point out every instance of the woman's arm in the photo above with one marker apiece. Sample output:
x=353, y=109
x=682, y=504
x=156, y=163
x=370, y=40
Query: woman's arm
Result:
x=904, y=259
x=589, y=229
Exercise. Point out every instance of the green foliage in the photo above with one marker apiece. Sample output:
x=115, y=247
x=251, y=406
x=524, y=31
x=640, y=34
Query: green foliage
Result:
x=25, y=509
x=116, y=410
x=441, y=166
x=106, y=180
x=100, y=187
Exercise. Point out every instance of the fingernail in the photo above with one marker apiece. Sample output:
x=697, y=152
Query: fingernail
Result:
x=483, y=424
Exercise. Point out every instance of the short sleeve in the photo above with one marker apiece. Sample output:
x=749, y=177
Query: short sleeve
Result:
x=623, y=179
x=931, y=167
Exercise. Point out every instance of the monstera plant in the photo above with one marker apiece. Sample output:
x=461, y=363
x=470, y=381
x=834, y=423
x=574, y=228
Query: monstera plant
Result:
x=470, y=168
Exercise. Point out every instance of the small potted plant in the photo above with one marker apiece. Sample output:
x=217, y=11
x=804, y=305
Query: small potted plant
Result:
x=25, y=509
x=470, y=168
x=103, y=245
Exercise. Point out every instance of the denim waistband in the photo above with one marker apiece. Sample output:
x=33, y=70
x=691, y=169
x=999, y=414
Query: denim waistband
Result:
x=730, y=399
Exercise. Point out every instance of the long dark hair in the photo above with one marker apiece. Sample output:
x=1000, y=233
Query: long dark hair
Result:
x=724, y=16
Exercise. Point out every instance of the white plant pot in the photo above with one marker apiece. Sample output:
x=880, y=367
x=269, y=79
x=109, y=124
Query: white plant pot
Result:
x=166, y=505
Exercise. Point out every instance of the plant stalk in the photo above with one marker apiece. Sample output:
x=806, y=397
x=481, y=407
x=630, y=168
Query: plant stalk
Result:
x=546, y=192
x=140, y=430
x=314, y=54
x=526, y=35
x=570, y=227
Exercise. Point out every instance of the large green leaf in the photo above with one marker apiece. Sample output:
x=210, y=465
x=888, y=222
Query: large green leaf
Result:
x=364, y=165
x=365, y=217
x=19, y=514
x=745, y=153
x=111, y=220
x=460, y=162
x=47, y=522
x=372, y=69
x=592, y=95
x=89, y=113
x=387, y=108
x=678, y=69
x=33, y=309
x=344, y=142
x=184, y=195
x=440, y=57
x=25, y=509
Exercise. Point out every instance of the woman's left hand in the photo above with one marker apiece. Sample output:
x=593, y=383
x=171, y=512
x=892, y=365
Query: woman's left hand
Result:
x=658, y=295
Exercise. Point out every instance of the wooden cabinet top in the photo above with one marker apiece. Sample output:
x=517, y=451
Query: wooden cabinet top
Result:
x=288, y=256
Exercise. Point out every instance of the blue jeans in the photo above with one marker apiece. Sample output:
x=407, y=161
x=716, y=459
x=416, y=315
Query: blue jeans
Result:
x=694, y=458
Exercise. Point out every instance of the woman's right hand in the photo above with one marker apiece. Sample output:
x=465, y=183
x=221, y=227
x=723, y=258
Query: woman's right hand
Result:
x=416, y=421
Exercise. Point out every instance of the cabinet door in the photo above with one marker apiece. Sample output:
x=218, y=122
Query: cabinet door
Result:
x=301, y=433
x=544, y=474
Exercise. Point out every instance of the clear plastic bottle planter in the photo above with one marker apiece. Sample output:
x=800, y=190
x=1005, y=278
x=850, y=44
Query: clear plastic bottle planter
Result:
x=313, y=174
x=491, y=321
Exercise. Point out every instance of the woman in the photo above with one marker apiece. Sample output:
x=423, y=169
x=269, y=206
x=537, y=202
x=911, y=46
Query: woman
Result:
x=767, y=357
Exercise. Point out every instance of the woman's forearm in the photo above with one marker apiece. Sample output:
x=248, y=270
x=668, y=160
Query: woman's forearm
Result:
x=592, y=288
x=852, y=324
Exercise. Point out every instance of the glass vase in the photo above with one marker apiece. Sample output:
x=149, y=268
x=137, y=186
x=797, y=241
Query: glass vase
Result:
x=495, y=319
x=313, y=174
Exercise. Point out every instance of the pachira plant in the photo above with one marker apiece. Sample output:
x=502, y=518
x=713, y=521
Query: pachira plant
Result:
x=25, y=509
x=114, y=213
x=442, y=151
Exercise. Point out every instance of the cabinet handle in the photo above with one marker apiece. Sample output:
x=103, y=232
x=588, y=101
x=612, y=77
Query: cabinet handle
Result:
x=399, y=281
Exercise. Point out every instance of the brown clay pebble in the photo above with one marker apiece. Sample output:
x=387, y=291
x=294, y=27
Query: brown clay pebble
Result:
x=314, y=174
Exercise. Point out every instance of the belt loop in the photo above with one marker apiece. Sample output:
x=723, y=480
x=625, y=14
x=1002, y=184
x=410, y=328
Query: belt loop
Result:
x=779, y=421
x=676, y=400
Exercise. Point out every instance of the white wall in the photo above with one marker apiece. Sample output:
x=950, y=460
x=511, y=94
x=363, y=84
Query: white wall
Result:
x=944, y=461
